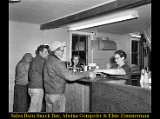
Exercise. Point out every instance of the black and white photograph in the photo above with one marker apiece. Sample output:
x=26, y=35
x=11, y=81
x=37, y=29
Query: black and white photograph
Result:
x=91, y=57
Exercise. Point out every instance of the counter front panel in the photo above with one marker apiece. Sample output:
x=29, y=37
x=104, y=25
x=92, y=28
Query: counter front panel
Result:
x=119, y=98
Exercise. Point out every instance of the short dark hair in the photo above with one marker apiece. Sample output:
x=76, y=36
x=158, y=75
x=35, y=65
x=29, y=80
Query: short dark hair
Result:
x=27, y=55
x=121, y=53
x=41, y=48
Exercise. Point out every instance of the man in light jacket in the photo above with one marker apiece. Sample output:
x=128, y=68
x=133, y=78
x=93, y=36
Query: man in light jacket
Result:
x=55, y=76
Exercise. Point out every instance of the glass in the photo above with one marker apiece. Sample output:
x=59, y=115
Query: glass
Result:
x=74, y=42
x=108, y=66
x=67, y=64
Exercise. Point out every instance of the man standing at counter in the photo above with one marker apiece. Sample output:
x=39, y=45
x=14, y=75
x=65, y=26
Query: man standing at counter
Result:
x=21, y=97
x=35, y=86
x=121, y=70
x=55, y=76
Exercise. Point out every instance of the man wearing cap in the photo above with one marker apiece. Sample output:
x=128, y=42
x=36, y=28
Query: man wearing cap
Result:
x=21, y=97
x=35, y=86
x=55, y=76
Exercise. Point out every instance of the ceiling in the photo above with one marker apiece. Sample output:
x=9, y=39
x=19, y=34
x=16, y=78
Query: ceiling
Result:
x=130, y=26
x=43, y=11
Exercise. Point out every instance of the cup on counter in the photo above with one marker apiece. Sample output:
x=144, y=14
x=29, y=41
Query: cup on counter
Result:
x=85, y=68
x=108, y=66
x=97, y=67
x=67, y=63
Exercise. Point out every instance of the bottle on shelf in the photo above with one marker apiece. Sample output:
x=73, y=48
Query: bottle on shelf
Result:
x=146, y=81
x=142, y=77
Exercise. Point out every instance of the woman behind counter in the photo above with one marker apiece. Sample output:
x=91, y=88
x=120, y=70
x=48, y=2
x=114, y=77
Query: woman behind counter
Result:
x=121, y=70
x=76, y=66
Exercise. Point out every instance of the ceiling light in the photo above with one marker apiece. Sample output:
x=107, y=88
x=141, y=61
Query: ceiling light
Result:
x=136, y=35
x=113, y=18
x=12, y=1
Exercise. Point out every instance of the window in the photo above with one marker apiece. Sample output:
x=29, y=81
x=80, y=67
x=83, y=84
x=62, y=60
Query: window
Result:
x=135, y=52
x=80, y=47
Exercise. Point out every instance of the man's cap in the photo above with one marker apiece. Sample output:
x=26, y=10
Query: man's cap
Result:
x=56, y=44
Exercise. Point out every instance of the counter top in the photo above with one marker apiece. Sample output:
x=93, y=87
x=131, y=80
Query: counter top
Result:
x=115, y=81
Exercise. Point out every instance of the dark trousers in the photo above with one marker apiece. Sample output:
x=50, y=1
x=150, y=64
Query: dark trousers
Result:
x=43, y=106
x=21, y=98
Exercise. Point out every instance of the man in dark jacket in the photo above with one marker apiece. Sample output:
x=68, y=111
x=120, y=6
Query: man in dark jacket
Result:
x=36, y=88
x=21, y=97
x=55, y=76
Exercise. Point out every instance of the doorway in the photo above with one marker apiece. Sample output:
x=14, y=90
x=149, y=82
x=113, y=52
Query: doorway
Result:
x=80, y=47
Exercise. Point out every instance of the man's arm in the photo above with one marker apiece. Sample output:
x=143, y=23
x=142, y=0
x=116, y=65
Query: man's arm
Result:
x=119, y=71
x=61, y=70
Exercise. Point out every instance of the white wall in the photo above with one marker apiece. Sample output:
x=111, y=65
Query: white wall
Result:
x=25, y=37
x=125, y=45
x=148, y=35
